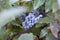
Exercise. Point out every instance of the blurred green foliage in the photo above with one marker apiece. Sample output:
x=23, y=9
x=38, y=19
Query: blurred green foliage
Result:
x=15, y=26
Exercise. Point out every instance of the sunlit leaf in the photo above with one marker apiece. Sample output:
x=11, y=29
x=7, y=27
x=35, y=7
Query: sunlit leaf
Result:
x=26, y=36
x=49, y=4
x=43, y=32
x=38, y=3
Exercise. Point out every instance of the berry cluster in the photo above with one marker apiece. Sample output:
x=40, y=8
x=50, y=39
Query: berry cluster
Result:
x=28, y=20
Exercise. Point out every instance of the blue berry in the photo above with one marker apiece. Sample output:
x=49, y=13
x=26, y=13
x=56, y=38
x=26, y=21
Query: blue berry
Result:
x=36, y=20
x=42, y=12
x=36, y=13
x=22, y=17
x=31, y=19
x=40, y=16
x=27, y=18
x=25, y=25
x=30, y=25
x=32, y=22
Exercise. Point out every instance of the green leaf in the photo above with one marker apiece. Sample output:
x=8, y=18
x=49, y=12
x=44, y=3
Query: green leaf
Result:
x=44, y=32
x=38, y=25
x=13, y=1
x=29, y=5
x=38, y=3
x=57, y=14
x=45, y=20
x=26, y=36
x=48, y=19
x=15, y=23
x=4, y=4
x=16, y=4
x=49, y=4
x=3, y=33
x=49, y=36
x=35, y=31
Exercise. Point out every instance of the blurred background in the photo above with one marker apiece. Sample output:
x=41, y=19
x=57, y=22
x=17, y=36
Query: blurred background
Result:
x=29, y=19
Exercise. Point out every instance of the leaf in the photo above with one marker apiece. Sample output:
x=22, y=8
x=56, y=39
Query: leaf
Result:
x=35, y=30
x=49, y=36
x=49, y=4
x=57, y=14
x=29, y=5
x=38, y=25
x=38, y=3
x=26, y=36
x=15, y=23
x=12, y=1
x=45, y=20
x=3, y=33
x=4, y=4
x=48, y=19
x=15, y=4
x=43, y=32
